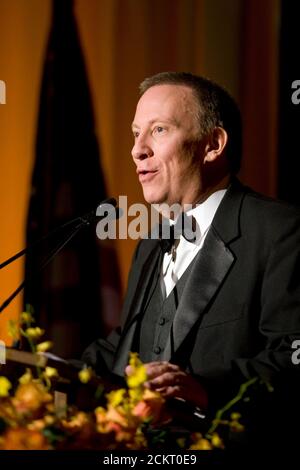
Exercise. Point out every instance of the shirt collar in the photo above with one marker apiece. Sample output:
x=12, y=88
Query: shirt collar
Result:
x=204, y=212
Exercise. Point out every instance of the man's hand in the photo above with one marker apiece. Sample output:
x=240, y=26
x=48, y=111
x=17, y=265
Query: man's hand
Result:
x=171, y=381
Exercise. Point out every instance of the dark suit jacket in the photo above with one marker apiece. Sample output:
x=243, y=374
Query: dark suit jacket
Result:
x=240, y=309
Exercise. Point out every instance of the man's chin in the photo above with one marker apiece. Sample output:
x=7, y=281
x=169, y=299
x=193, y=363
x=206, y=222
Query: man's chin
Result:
x=152, y=197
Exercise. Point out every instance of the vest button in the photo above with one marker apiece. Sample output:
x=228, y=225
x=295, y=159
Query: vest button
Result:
x=157, y=350
x=162, y=321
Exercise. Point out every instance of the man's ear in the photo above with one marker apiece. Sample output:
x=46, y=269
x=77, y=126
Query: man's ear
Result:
x=216, y=144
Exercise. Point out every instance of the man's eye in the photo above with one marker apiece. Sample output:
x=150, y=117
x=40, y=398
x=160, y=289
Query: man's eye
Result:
x=136, y=134
x=159, y=129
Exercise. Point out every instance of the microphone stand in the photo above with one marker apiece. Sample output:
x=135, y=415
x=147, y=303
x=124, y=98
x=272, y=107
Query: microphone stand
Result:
x=85, y=220
x=82, y=221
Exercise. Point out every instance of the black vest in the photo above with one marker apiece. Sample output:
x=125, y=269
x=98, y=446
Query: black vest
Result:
x=155, y=325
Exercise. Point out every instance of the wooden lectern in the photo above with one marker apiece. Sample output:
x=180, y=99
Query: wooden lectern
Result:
x=68, y=390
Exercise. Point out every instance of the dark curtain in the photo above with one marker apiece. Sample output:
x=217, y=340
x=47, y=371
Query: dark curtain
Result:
x=67, y=181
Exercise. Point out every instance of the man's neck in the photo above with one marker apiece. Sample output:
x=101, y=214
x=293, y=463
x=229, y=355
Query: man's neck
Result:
x=198, y=198
x=209, y=190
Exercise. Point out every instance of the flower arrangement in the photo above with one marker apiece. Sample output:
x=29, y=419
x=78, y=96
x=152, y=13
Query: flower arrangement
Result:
x=134, y=417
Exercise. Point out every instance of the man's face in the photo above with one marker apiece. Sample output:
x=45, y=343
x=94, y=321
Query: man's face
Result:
x=166, y=151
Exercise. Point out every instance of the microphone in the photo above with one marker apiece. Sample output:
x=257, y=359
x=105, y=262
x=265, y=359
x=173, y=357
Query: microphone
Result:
x=85, y=219
x=93, y=215
x=75, y=225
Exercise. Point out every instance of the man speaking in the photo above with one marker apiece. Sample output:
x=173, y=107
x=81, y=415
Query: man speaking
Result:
x=208, y=313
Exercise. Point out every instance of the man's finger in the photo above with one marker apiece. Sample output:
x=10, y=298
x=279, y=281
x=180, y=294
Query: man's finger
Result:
x=167, y=379
x=155, y=369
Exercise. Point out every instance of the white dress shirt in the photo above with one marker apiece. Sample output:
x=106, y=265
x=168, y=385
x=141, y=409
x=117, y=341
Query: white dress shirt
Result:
x=175, y=263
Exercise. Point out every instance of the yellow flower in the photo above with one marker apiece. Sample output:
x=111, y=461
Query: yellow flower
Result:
x=135, y=395
x=201, y=444
x=26, y=378
x=217, y=441
x=85, y=375
x=48, y=420
x=137, y=374
x=50, y=372
x=5, y=385
x=99, y=410
x=26, y=317
x=140, y=441
x=76, y=421
x=34, y=333
x=13, y=329
x=116, y=397
x=36, y=425
x=44, y=346
x=137, y=378
x=181, y=442
x=236, y=426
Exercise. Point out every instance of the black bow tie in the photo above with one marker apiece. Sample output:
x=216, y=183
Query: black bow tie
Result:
x=185, y=225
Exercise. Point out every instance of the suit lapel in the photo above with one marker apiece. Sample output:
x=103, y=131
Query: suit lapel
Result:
x=207, y=275
x=209, y=270
x=136, y=307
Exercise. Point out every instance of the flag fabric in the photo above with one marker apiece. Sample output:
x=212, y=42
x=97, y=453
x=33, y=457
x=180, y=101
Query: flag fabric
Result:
x=67, y=181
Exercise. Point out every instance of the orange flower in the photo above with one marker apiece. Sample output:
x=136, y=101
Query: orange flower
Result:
x=7, y=410
x=81, y=427
x=101, y=419
x=115, y=420
x=39, y=424
x=30, y=397
x=24, y=439
x=142, y=410
x=77, y=421
x=115, y=416
x=150, y=407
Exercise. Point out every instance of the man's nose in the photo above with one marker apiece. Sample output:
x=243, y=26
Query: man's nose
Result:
x=141, y=149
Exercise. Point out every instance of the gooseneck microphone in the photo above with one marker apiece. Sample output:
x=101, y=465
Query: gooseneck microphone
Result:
x=73, y=226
